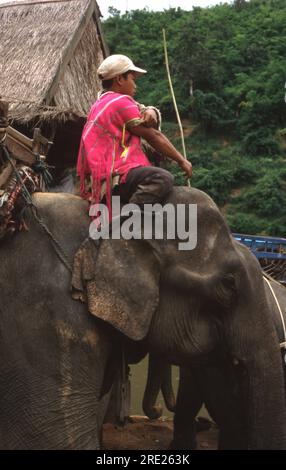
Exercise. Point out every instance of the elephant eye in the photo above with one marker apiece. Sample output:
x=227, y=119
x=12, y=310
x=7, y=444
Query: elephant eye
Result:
x=226, y=290
x=229, y=282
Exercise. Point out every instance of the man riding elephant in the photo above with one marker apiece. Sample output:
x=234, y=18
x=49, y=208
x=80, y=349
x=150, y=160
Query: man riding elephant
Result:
x=111, y=141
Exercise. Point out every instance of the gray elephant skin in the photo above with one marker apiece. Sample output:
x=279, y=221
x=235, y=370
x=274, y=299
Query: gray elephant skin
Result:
x=217, y=384
x=56, y=357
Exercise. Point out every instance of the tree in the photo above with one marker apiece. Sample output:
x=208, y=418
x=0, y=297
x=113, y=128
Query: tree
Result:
x=239, y=4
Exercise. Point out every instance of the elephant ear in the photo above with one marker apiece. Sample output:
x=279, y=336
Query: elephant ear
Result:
x=125, y=287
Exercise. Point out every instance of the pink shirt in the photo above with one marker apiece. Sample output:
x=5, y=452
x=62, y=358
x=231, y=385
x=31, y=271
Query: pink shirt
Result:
x=107, y=147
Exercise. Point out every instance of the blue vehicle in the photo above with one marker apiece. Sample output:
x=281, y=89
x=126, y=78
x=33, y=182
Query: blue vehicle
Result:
x=270, y=251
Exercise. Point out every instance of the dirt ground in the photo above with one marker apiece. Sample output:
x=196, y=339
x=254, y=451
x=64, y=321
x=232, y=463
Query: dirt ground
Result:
x=144, y=434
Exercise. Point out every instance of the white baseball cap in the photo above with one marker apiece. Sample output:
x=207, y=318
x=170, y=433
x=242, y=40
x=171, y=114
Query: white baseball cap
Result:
x=117, y=64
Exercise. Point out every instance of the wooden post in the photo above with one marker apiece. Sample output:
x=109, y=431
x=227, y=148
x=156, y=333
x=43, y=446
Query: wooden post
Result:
x=4, y=107
x=36, y=147
x=6, y=169
x=40, y=144
x=37, y=141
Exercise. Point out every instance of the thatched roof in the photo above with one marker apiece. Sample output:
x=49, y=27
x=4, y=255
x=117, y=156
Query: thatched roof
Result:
x=49, y=53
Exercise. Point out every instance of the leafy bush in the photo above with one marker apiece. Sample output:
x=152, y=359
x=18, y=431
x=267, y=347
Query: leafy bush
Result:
x=261, y=142
x=210, y=111
x=268, y=197
x=241, y=222
x=217, y=183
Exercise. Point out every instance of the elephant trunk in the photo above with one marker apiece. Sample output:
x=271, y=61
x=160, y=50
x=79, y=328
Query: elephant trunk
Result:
x=153, y=386
x=265, y=400
x=254, y=342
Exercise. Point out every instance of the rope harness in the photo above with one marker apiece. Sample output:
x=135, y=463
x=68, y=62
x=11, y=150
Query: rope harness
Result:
x=283, y=343
x=41, y=168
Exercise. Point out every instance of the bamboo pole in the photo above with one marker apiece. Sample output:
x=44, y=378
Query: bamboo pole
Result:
x=174, y=99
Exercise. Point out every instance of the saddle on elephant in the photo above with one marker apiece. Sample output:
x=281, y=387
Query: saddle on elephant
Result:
x=22, y=172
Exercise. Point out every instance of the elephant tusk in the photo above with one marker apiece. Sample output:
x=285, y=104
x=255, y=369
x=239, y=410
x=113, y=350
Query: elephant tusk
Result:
x=283, y=345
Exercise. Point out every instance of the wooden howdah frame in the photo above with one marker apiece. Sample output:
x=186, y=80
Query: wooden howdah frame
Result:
x=19, y=146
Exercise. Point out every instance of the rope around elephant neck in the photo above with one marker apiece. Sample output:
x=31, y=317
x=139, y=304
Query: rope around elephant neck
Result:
x=283, y=344
x=55, y=243
x=28, y=198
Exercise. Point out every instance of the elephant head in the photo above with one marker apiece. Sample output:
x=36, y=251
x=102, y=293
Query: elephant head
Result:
x=214, y=384
x=188, y=304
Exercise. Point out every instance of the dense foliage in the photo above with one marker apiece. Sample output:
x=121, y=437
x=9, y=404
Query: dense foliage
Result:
x=233, y=58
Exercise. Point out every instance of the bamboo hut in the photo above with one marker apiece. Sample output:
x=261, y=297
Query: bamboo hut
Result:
x=49, y=54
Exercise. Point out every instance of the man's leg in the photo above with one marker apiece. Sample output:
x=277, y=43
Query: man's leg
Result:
x=146, y=185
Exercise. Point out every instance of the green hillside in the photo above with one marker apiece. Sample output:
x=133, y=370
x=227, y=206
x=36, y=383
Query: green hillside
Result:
x=233, y=56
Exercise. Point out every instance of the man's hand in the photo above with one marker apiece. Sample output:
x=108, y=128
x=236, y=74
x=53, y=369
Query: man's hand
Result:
x=187, y=167
x=150, y=118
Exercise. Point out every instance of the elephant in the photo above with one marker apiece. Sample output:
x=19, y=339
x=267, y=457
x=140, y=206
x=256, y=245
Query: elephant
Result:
x=58, y=356
x=214, y=385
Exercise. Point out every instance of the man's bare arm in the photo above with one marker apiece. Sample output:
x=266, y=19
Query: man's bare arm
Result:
x=162, y=144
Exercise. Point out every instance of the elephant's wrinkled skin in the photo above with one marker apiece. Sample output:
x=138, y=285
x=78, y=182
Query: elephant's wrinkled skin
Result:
x=54, y=354
x=217, y=387
x=217, y=384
